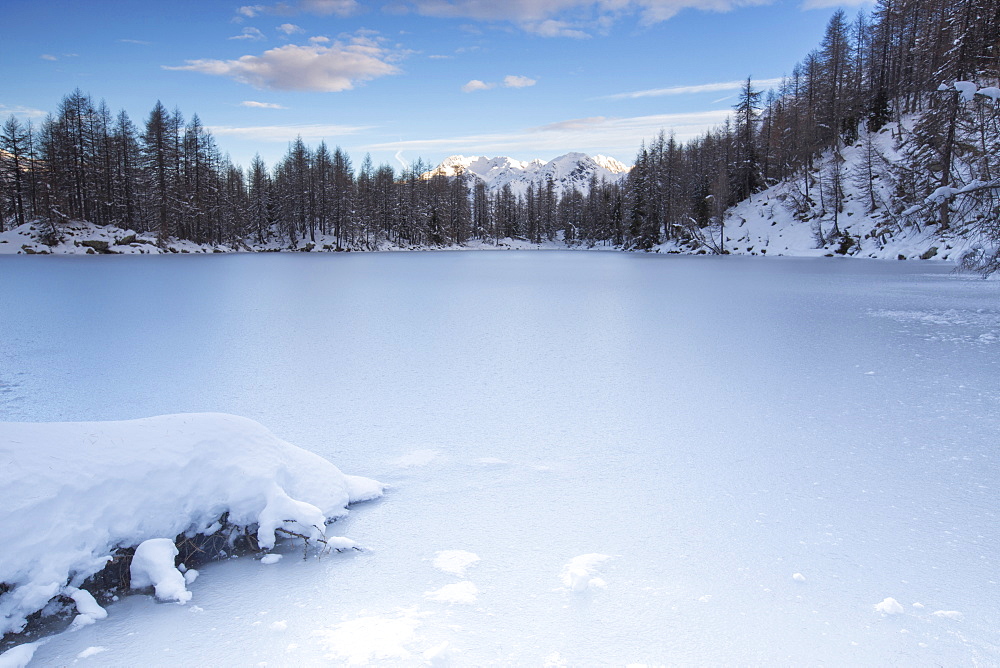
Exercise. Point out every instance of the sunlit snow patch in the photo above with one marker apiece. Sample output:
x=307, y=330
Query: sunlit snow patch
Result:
x=458, y=592
x=889, y=606
x=455, y=561
x=579, y=573
x=91, y=651
x=370, y=639
x=75, y=492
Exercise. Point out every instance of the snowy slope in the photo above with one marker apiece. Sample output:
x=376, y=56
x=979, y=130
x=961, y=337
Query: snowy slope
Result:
x=785, y=220
x=75, y=492
x=573, y=170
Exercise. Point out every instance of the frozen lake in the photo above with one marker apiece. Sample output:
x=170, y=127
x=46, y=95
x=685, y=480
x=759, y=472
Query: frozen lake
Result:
x=713, y=425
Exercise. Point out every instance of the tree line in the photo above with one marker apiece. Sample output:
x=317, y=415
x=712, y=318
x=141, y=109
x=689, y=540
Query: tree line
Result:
x=895, y=66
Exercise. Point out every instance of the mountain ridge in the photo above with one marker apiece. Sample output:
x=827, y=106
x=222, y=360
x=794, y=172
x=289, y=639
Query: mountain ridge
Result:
x=571, y=170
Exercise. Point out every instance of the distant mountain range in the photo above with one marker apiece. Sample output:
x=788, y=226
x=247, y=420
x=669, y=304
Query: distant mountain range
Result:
x=573, y=170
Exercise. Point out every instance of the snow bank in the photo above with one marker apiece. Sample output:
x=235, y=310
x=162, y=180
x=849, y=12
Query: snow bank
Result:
x=20, y=656
x=75, y=492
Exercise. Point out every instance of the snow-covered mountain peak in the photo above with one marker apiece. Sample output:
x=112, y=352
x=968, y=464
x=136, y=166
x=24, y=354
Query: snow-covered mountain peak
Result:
x=611, y=164
x=572, y=170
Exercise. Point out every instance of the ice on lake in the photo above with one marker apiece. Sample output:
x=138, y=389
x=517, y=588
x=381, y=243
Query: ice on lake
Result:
x=764, y=450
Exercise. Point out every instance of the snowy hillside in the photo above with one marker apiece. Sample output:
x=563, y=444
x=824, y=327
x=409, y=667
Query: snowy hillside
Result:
x=573, y=170
x=796, y=217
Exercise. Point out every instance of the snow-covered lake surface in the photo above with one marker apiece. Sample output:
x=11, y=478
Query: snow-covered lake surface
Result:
x=595, y=458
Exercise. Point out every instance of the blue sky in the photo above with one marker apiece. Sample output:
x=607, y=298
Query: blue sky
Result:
x=403, y=79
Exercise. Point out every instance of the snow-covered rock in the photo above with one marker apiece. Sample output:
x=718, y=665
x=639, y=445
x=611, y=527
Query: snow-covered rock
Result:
x=87, y=606
x=153, y=566
x=75, y=492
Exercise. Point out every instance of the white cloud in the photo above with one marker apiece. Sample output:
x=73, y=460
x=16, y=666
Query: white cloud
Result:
x=135, y=41
x=289, y=28
x=48, y=56
x=567, y=18
x=320, y=7
x=314, y=68
x=22, y=111
x=699, y=88
x=612, y=136
x=261, y=105
x=572, y=124
x=827, y=4
x=553, y=28
x=475, y=85
x=286, y=133
x=490, y=10
x=509, y=81
x=319, y=39
x=250, y=33
x=250, y=11
x=327, y=7
x=516, y=81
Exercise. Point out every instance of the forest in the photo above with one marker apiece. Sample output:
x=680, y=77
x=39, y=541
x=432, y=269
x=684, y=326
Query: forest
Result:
x=929, y=68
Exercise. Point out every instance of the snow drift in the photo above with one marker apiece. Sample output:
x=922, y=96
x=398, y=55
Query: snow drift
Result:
x=75, y=492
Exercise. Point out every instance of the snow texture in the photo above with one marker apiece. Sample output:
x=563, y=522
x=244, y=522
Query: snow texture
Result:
x=372, y=639
x=968, y=89
x=74, y=492
x=889, y=606
x=991, y=92
x=88, y=608
x=454, y=561
x=20, y=656
x=458, y=592
x=580, y=573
